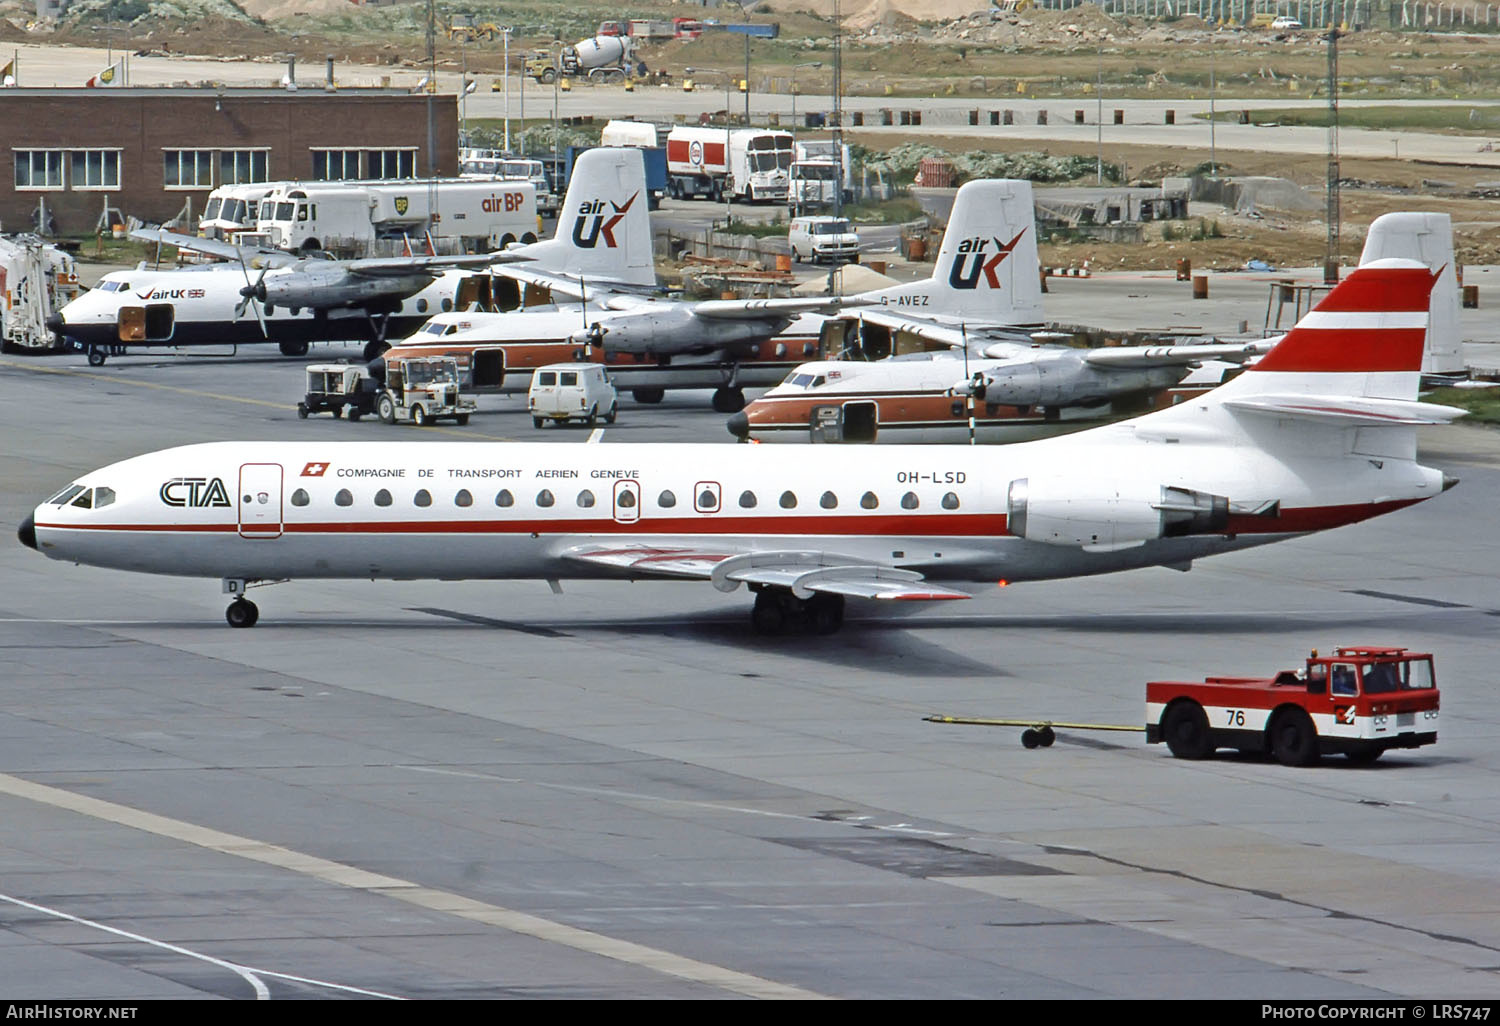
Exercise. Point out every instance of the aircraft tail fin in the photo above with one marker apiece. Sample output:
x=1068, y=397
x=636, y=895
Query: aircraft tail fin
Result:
x=1428, y=239
x=987, y=270
x=604, y=228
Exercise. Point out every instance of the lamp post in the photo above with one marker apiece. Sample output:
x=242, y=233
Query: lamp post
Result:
x=557, y=51
x=505, y=81
x=795, y=67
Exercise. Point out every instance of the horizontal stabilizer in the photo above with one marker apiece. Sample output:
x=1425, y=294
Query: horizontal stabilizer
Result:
x=1176, y=356
x=1346, y=410
x=569, y=286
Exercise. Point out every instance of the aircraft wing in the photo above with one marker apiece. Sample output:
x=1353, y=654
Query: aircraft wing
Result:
x=392, y=267
x=761, y=309
x=956, y=334
x=569, y=286
x=805, y=573
x=257, y=256
x=1168, y=356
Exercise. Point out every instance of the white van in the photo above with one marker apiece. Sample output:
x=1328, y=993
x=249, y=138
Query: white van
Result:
x=571, y=391
x=823, y=238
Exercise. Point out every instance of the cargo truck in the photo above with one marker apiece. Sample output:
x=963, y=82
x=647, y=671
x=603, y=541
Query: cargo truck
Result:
x=750, y=164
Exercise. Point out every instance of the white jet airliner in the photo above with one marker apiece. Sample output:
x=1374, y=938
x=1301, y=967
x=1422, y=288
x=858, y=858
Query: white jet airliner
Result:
x=1320, y=433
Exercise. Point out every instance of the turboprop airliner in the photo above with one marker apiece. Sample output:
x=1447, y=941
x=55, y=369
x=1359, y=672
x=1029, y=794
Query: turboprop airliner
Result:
x=967, y=389
x=985, y=275
x=1320, y=433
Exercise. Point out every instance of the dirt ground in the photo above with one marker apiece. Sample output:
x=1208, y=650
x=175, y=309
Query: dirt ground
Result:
x=1038, y=53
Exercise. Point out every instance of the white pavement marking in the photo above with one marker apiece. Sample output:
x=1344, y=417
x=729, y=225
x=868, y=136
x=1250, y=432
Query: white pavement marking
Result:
x=404, y=890
x=249, y=973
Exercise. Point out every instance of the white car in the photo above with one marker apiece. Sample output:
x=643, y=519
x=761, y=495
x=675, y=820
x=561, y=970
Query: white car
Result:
x=823, y=237
x=1284, y=22
x=571, y=391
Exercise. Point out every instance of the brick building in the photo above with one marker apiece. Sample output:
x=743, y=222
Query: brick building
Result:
x=147, y=152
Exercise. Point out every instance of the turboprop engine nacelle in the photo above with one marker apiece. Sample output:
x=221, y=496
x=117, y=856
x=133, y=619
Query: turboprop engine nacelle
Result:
x=1102, y=516
x=1066, y=379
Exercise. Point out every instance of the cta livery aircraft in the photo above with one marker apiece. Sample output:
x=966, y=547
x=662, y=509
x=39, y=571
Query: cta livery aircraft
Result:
x=1321, y=433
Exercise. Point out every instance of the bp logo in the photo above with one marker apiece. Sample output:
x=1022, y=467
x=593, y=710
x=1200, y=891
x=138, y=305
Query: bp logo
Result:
x=402, y=204
x=975, y=257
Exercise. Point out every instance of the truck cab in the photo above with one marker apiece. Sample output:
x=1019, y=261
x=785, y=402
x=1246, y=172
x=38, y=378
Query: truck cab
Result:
x=422, y=389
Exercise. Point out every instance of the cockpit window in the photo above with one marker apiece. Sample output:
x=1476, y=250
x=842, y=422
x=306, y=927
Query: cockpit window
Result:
x=85, y=499
x=431, y=328
x=103, y=497
x=62, y=497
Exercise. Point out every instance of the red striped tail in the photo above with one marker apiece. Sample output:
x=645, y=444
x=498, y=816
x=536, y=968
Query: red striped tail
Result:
x=1374, y=320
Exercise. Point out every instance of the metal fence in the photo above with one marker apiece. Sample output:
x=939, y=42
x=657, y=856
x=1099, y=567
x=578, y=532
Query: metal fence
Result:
x=1312, y=13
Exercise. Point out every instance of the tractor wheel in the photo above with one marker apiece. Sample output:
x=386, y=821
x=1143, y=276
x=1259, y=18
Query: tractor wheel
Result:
x=1294, y=739
x=1185, y=730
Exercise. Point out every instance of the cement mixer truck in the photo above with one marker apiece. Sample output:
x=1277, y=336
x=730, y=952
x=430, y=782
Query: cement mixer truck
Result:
x=600, y=59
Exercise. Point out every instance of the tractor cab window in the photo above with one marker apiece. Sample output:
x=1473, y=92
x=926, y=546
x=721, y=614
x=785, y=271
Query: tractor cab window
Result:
x=1344, y=680
x=1382, y=678
x=1417, y=674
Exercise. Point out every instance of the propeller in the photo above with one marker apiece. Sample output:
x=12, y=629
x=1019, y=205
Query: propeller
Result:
x=963, y=329
x=252, y=293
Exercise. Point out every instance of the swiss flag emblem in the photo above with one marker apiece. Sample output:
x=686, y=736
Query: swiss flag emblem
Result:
x=314, y=469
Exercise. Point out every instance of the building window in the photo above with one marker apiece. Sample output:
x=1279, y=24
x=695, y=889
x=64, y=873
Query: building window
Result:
x=39, y=169
x=334, y=165
x=95, y=169
x=188, y=169
x=392, y=163
x=243, y=167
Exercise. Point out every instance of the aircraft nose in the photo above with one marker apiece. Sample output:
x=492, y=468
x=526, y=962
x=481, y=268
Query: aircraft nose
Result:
x=739, y=425
x=27, y=532
x=55, y=323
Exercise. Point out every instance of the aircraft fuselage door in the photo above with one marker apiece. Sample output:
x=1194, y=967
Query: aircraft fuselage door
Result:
x=627, y=501
x=130, y=324
x=259, y=500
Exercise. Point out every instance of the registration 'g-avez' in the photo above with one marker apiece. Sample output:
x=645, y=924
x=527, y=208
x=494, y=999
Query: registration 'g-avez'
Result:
x=1320, y=433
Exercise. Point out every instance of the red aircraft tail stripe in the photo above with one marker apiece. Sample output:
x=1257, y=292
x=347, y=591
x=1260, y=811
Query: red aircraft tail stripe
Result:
x=1354, y=349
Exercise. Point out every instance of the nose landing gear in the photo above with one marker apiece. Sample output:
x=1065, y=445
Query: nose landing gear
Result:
x=242, y=613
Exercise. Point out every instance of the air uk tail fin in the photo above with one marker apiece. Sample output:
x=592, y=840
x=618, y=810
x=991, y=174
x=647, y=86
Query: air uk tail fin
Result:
x=987, y=270
x=604, y=229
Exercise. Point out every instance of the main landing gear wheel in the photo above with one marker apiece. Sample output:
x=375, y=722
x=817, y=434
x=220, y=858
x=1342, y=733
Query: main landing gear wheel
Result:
x=648, y=395
x=780, y=612
x=728, y=400
x=293, y=348
x=96, y=357
x=242, y=613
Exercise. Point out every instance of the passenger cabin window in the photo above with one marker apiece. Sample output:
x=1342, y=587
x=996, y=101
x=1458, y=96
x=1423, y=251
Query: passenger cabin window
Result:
x=747, y=500
x=422, y=498
x=829, y=501
x=625, y=500
x=666, y=500
x=463, y=498
x=504, y=498
x=544, y=498
x=869, y=501
x=585, y=499
x=909, y=501
x=788, y=500
x=950, y=500
x=344, y=498
x=301, y=498
x=383, y=497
